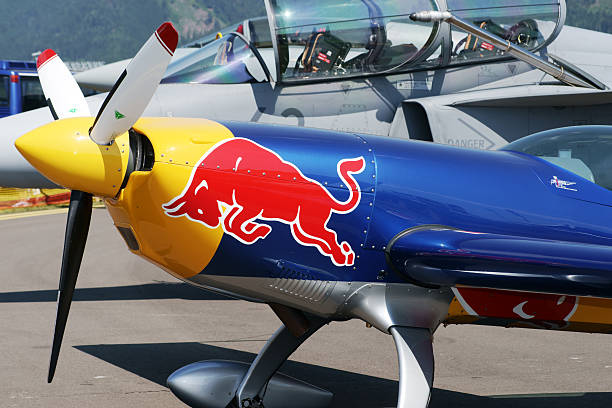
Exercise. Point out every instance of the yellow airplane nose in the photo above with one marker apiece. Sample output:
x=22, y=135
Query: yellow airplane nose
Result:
x=63, y=152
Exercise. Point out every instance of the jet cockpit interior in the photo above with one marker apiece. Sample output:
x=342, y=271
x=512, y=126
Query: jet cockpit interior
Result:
x=331, y=39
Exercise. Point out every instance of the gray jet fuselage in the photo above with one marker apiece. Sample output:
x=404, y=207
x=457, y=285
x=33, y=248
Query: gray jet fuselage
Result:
x=480, y=105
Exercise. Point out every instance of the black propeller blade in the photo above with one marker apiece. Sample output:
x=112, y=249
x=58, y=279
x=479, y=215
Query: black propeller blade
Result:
x=77, y=228
x=129, y=98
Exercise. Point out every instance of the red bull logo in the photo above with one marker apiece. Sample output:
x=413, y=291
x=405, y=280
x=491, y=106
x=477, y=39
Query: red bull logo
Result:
x=533, y=307
x=238, y=182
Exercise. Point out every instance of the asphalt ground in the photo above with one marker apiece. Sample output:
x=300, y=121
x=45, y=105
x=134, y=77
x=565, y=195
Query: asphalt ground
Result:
x=131, y=325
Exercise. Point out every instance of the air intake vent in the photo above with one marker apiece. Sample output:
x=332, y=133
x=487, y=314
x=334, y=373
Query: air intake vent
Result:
x=142, y=156
x=142, y=151
x=299, y=282
x=129, y=238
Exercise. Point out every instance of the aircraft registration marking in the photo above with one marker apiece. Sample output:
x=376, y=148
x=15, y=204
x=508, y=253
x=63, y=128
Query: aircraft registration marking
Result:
x=415, y=84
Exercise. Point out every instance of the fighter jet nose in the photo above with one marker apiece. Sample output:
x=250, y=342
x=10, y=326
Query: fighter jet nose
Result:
x=64, y=153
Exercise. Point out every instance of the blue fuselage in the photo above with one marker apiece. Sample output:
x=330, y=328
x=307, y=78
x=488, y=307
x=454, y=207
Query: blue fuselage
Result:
x=406, y=184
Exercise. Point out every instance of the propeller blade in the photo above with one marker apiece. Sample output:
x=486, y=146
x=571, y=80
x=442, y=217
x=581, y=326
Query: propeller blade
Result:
x=64, y=96
x=65, y=99
x=135, y=87
x=77, y=227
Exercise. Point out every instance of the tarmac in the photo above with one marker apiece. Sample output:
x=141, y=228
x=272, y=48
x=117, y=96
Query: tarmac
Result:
x=131, y=325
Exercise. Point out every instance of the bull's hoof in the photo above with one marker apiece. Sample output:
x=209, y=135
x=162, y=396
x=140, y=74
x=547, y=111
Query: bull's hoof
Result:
x=213, y=384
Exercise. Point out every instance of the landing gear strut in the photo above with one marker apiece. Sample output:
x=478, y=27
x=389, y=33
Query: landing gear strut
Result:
x=252, y=388
x=225, y=384
x=416, y=366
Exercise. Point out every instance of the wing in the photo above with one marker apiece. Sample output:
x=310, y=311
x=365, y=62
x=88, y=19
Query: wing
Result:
x=442, y=256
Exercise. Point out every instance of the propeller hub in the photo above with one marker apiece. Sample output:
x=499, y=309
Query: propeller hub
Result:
x=63, y=152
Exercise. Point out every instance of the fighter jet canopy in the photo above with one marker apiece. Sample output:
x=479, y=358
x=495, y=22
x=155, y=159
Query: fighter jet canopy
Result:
x=332, y=39
x=230, y=59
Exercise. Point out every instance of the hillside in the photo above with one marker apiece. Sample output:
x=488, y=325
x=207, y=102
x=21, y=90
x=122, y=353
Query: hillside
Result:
x=591, y=14
x=110, y=30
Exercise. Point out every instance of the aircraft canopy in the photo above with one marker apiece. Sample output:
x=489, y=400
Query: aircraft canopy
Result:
x=226, y=60
x=329, y=38
x=315, y=40
x=583, y=150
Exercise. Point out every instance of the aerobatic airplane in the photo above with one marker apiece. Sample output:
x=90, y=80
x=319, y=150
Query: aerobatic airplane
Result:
x=364, y=66
x=325, y=226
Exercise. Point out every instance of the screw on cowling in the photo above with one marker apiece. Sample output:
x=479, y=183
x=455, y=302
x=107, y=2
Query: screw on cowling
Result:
x=252, y=403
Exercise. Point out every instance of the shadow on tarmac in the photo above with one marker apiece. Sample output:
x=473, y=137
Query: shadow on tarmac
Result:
x=147, y=291
x=350, y=389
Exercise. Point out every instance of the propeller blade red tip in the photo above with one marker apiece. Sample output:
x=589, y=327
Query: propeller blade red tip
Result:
x=168, y=36
x=45, y=56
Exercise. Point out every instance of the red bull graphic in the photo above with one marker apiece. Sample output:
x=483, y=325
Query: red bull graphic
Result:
x=533, y=307
x=238, y=182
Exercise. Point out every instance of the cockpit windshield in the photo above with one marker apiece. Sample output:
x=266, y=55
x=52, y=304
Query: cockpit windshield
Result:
x=327, y=38
x=583, y=150
x=526, y=23
x=227, y=60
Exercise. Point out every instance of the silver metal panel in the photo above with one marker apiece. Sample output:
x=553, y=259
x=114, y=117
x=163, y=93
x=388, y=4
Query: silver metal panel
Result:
x=265, y=290
x=314, y=291
x=386, y=305
x=382, y=305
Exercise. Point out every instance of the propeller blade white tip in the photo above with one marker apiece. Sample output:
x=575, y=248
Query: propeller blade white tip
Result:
x=60, y=87
x=135, y=88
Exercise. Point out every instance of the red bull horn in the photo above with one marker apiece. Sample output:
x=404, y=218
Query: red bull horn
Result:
x=239, y=181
